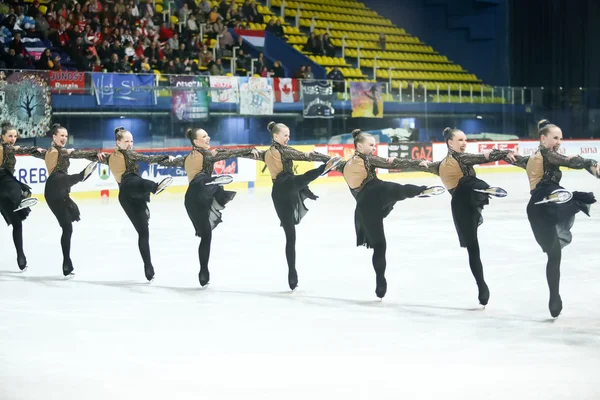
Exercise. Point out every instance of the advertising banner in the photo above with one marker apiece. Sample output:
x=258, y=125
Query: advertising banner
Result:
x=124, y=90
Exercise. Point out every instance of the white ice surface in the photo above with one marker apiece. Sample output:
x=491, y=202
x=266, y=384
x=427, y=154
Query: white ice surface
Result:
x=109, y=335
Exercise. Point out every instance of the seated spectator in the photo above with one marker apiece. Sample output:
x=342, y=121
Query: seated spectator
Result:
x=264, y=72
x=204, y=7
x=255, y=16
x=327, y=47
x=278, y=71
x=174, y=41
x=223, y=8
x=113, y=65
x=382, y=41
x=278, y=29
x=191, y=24
x=243, y=61
x=308, y=74
x=313, y=45
x=57, y=66
x=205, y=57
x=259, y=64
x=216, y=69
x=336, y=75
x=45, y=61
x=300, y=72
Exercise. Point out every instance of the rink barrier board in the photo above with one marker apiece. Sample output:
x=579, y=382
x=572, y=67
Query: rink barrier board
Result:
x=249, y=173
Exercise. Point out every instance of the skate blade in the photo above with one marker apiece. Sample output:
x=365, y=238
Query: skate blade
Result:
x=26, y=203
x=559, y=196
x=205, y=286
x=221, y=180
x=89, y=170
x=70, y=276
x=496, y=192
x=24, y=269
x=334, y=163
x=432, y=191
x=165, y=183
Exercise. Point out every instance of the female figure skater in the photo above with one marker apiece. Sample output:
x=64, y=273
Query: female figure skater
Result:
x=15, y=197
x=375, y=198
x=551, y=209
x=58, y=187
x=134, y=191
x=205, y=198
x=469, y=196
x=289, y=190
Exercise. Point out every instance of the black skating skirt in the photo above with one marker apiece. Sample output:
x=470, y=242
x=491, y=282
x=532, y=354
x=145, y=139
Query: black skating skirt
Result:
x=467, y=206
x=57, y=193
x=550, y=221
x=205, y=203
x=288, y=194
x=375, y=202
x=134, y=196
x=11, y=193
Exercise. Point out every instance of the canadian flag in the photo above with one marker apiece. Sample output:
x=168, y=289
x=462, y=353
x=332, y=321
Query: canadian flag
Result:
x=286, y=90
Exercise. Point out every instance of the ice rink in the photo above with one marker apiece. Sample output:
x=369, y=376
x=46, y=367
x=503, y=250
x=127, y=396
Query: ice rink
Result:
x=107, y=334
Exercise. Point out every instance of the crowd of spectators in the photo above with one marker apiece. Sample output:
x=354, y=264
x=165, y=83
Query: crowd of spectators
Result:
x=130, y=36
x=126, y=35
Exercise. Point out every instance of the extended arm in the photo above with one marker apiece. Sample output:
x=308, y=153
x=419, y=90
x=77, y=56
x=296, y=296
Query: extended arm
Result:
x=292, y=154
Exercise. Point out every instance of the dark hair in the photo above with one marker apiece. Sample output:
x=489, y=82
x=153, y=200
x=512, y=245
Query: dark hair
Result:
x=544, y=127
x=274, y=127
x=119, y=131
x=7, y=126
x=54, y=129
x=192, y=134
x=449, y=133
x=359, y=136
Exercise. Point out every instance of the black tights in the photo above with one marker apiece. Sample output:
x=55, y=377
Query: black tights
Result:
x=553, y=277
x=57, y=197
x=290, y=245
x=204, y=253
x=475, y=262
x=477, y=271
x=379, y=264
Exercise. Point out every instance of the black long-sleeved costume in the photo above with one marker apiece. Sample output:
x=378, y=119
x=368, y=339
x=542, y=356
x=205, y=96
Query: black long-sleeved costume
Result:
x=289, y=192
x=375, y=199
x=12, y=192
x=204, y=203
x=57, y=193
x=458, y=176
x=134, y=195
x=550, y=222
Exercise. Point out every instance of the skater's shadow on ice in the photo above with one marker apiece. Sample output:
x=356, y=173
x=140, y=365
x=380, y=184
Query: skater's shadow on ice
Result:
x=22, y=276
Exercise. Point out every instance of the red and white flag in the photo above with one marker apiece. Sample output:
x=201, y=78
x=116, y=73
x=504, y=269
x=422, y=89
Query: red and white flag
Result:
x=286, y=90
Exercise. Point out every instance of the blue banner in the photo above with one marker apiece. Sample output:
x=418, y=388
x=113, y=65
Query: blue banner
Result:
x=124, y=89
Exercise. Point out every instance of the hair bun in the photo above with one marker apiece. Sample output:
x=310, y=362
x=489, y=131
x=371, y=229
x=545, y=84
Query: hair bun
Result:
x=542, y=123
x=56, y=126
x=5, y=124
x=271, y=125
x=447, y=131
x=119, y=129
x=355, y=133
x=188, y=133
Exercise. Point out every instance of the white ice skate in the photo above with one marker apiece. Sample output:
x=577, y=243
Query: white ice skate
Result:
x=87, y=172
x=331, y=164
x=432, y=191
x=165, y=183
x=493, y=191
x=221, y=180
x=559, y=196
x=25, y=203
